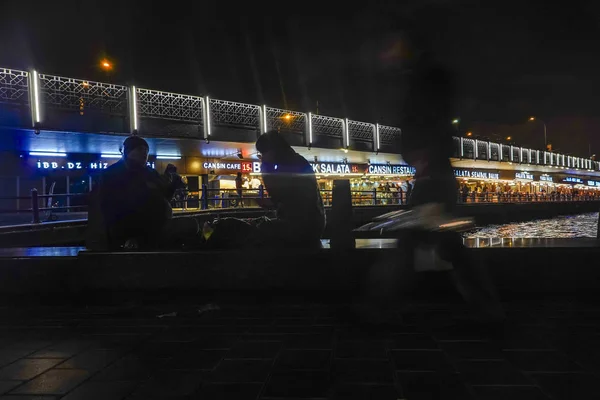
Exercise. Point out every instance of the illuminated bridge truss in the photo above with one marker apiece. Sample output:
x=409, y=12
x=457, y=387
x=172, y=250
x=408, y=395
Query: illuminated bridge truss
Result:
x=14, y=86
x=361, y=131
x=327, y=126
x=388, y=134
x=77, y=94
x=173, y=106
x=286, y=120
x=55, y=92
x=230, y=113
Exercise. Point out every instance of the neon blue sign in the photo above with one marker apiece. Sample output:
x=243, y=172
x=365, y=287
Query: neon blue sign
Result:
x=76, y=165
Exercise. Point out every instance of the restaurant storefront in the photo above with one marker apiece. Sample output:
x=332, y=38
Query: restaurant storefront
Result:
x=370, y=184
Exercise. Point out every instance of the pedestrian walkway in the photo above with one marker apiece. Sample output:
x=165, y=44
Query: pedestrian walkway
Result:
x=295, y=350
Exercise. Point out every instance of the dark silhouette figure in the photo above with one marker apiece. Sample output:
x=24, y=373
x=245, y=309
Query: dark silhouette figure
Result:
x=239, y=189
x=135, y=201
x=426, y=139
x=290, y=181
x=427, y=144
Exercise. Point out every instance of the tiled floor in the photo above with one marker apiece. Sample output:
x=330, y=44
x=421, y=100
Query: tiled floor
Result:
x=549, y=350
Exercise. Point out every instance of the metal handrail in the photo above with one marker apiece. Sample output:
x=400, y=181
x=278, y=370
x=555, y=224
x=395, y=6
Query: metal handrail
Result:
x=360, y=198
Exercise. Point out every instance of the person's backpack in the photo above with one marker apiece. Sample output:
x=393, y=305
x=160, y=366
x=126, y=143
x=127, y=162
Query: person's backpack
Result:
x=229, y=233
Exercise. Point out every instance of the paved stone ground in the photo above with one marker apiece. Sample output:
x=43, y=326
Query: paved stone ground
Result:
x=549, y=350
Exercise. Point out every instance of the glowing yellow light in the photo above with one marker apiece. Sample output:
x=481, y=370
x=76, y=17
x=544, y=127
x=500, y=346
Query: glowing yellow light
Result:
x=288, y=116
x=509, y=138
x=532, y=118
x=469, y=133
x=105, y=64
x=85, y=84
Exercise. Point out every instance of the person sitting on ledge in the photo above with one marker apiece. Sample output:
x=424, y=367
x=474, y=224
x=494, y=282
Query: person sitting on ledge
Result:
x=135, y=202
x=290, y=181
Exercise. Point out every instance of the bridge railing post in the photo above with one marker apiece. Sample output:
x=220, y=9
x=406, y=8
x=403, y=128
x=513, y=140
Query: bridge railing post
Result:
x=598, y=229
x=341, y=219
x=204, y=197
x=35, y=206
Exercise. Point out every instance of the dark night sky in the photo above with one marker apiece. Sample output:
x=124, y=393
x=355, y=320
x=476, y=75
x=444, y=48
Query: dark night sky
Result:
x=514, y=59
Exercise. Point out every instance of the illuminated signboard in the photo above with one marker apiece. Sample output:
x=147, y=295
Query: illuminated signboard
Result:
x=570, y=179
x=465, y=173
x=75, y=165
x=524, y=176
x=236, y=166
x=241, y=166
x=334, y=168
x=391, y=170
x=342, y=169
x=545, y=178
x=593, y=183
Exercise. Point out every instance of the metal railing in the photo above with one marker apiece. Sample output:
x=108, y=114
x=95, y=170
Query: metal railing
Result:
x=44, y=94
x=213, y=199
x=41, y=209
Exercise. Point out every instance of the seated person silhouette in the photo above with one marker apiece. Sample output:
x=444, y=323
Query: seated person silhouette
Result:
x=134, y=202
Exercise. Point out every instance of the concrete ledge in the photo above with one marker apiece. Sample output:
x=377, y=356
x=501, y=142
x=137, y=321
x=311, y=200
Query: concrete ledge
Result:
x=72, y=232
x=535, y=270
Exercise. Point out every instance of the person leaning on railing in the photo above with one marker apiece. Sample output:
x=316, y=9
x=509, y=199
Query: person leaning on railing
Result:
x=133, y=207
x=293, y=188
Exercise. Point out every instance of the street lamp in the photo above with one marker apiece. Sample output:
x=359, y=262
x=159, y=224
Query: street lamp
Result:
x=106, y=65
x=456, y=122
x=545, y=131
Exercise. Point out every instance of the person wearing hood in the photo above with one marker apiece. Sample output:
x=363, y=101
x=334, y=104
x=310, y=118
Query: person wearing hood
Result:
x=135, y=201
x=292, y=186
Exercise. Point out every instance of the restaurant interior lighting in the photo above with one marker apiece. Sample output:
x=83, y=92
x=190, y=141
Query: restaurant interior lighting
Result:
x=46, y=154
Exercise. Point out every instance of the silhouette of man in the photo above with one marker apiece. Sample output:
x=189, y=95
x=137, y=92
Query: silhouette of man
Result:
x=135, y=201
x=290, y=181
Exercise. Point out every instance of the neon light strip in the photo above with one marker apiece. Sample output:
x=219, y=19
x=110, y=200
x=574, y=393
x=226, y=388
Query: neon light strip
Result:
x=264, y=118
x=377, y=136
x=347, y=134
x=36, y=96
x=207, y=116
x=168, y=157
x=134, y=104
x=310, y=133
x=46, y=154
x=108, y=155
